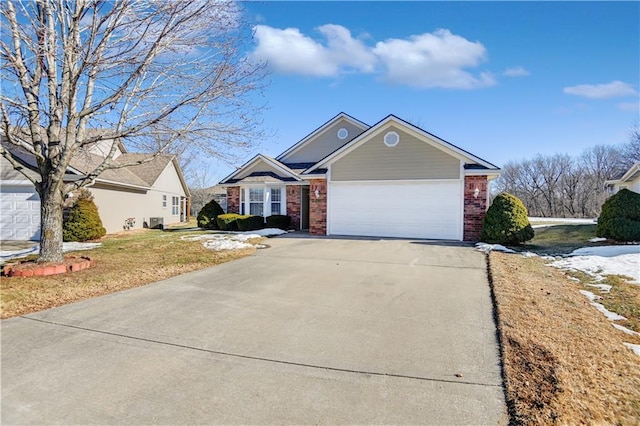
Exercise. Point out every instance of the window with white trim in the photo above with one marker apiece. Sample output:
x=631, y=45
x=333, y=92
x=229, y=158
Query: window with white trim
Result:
x=243, y=200
x=175, y=206
x=164, y=201
x=276, y=200
x=256, y=201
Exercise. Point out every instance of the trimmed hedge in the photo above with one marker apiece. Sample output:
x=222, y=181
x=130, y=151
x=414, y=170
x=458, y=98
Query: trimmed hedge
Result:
x=250, y=223
x=279, y=221
x=208, y=214
x=83, y=221
x=228, y=221
x=620, y=217
x=506, y=221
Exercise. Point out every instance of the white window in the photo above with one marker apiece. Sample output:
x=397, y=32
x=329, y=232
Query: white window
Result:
x=263, y=201
x=164, y=201
x=256, y=201
x=276, y=200
x=175, y=206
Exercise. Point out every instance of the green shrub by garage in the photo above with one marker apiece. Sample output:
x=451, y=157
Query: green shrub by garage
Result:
x=82, y=222
x=250, y=223
x=208, y=214
x=506, y=221
x=228, y=221
x=279, y=221
x=620, y=217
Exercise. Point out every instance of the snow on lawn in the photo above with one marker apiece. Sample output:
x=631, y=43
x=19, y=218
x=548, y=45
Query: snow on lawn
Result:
x=597, y=239
x=611, y=316
x=634, y=348
x=493, y=247
x=604, y=260
x=625, y=330
x=6, y=255
x=233, y=240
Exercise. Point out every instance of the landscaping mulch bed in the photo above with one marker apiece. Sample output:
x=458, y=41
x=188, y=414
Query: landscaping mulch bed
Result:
x=564, y=363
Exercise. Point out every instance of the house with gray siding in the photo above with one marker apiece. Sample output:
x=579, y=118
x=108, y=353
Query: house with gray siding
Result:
x=392, y=179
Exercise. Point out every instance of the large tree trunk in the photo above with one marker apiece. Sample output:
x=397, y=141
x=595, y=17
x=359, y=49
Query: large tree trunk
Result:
x=51, y=226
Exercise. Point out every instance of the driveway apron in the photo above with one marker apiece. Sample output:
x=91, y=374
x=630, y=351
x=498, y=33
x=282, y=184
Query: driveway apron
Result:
x=309, y=330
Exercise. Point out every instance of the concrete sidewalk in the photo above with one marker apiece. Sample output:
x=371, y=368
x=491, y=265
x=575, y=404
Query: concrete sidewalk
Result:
x=307, y=331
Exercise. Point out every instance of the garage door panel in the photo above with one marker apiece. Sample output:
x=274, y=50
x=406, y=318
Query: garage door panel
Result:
x=20, y=213
x=419, y=210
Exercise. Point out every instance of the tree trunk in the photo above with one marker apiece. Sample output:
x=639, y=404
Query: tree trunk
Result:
x=51, y=226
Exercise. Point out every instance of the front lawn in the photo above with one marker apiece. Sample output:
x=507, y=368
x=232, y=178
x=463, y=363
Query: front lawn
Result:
x=564, y=362
x=124, y=261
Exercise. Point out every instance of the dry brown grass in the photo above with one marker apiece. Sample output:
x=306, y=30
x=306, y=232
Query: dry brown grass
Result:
x=124, y=261
x=563, y=361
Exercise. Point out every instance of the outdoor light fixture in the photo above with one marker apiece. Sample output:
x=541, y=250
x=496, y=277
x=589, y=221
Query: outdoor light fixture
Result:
x=476, y=192
x=317, y=193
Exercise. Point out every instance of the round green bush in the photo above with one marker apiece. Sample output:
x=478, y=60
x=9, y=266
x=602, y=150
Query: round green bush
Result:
x=208, y=214
x=279, y=221
x=250, y=223
x=620, y=217
x=83, y=222
x=506, y=221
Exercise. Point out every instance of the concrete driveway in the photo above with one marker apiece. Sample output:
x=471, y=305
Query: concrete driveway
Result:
x=328, y=331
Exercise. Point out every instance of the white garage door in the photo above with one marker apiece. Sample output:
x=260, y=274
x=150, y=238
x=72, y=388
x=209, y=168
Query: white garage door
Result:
x=19, y=213
x=409, y=210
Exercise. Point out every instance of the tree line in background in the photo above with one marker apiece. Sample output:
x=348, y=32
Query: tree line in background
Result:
x=560, y=185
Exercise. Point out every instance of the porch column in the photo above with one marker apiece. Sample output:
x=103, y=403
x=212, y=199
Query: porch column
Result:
x=318, y=207
x=475, y=206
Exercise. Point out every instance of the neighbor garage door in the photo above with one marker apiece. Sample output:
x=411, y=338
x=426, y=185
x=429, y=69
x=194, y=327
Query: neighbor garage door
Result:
x=408, y=210
x=19, y=213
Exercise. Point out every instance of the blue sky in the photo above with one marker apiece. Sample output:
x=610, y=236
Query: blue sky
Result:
x=503, y=80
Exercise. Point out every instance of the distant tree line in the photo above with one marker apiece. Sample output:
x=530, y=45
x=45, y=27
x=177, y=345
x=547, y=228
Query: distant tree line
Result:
x=560, y=185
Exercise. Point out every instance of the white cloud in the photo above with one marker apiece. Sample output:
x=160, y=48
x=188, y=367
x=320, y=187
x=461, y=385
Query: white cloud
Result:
x=290, y=52
x=615, y=89
x=438, y=59
x=434, y=59
x=516, y=72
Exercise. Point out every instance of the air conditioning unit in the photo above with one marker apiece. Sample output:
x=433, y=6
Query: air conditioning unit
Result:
x=156, y=222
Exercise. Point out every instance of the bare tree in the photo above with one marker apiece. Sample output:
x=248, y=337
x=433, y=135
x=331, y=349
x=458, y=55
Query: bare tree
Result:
x=159, y=76
x=631, y=150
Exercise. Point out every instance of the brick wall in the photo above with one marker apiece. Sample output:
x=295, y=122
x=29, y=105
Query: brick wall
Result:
x=233, y=199
x=318, y=207
x=293, y=205
x=474, y=207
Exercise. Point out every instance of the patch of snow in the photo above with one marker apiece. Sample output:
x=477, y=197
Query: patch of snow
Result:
x=529, y=254
x=267, y=232
x=597, y=266
x=597, y=239
x=604, y=288
x=564, y=220
x=607, y=251
x=493, y=247
x=589, y=295
x=6, y=255
x=625, y=330
x=634, y=348
x=225, y=244
x=611, y=316
x=569, y=277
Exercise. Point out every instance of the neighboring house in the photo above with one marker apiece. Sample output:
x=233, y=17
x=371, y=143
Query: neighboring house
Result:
x=629, y=180
x=129, y=197
x=201, y=196
x=391, y=179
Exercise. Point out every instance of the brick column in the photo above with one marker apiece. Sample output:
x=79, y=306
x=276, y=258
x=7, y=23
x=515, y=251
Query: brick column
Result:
x=318, y=207
x=475, y=207
x=233, y=199
x=293, y=205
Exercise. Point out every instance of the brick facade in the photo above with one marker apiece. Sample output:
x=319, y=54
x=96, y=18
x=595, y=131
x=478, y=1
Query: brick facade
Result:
x=318, y=207
x=233, y=199
x=294, y=193
x=475, y=207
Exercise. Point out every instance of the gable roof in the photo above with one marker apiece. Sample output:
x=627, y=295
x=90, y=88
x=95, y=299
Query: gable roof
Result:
x=628, y=176
x=477, y=163
x=289, y=175
x=304, y=141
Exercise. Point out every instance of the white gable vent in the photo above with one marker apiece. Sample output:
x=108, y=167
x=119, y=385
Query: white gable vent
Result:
x=343, y=133
x=391, y=139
